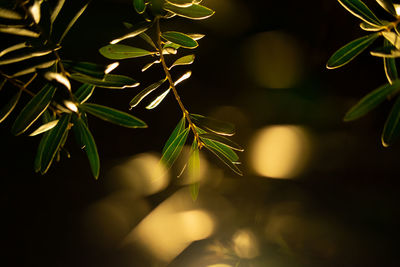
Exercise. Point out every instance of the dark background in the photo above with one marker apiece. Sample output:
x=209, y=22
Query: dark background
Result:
x=344, y=201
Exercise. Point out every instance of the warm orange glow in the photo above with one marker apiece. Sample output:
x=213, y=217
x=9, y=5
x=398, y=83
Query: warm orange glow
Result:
x=245, y=244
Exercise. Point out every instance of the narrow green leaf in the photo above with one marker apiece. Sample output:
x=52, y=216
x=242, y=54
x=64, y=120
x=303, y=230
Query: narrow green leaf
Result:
x=360, y=10
x=158, y=100
x=34, y=68
x=371, y=101
x=348, y=52
x=113, y=115
x=389, y=65
x=53, y=142
x=180, y=39
x=213, y=125
x=57, y=10
x=191, y=12
x=391, y=130
x=139, y=97
x=174, y=149
x=44, y=128
x=2, y=83
x=194, y=190
x=46, y=117
x=186, y=60
x=139, y=6
x=84, y=92
x=9, y=14
x=9, y=107
x=148, y=39
x=19, y=31
x=77, y=133
x=111, y=81
x=72, y=22
x=90, y=146
x=148, y=65
x=224, y=159
x=138, y=29
x=180, y=3
x=87, y=68
x=27, y=54
x=371, y=28
x=118, y=51
x=13, y=48
x=222, y=140
x=177, y=131
x=58, y=77
x=388, y=6
x=32, y=111
x=194, y=170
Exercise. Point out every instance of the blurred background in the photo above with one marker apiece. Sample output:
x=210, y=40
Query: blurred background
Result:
x=315, y=192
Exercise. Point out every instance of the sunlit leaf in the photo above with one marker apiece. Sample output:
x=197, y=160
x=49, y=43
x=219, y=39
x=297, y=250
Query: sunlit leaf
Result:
x=111, y=81
x=213, y=125
x=139, y=6
x=348, y=52
x=34, y=68
x=9, y=14
x=196, y=36
x=169, y=51
x=53, y=142
x=13, y=48
x=180, y=39
x=58, y=77
x=86, y=68
x=183, y=77
x=32, y=111
x=222, y=140
x=27, y=55
x=371, y=28
x=389, y=65
x=111, y=67
x=84, y=92
x=180, y=127
x=147, y=66
x=393, y=38
x=186, y=60
x=158, y=100
x=136, y=100
x=174, y=149
x=180, y=3
x=112, y=115
x=191, y=12
x=9, y=107
x=19, y=31
x=44, y=128
x=391, y=130
x=90, y=146
x=118, y=51
x=371, y=101
x=148, y=39
x=360, y=10
x=218, y=152
x=72, y=22
x=388, y=6
x=34, y=10
x=57, y=10
x=138, y=29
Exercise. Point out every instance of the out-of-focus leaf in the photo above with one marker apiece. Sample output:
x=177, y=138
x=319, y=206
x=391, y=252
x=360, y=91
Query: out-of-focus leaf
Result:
x=44, y=128
x=34, y=10
x=180, y=39
x=186, y=60
x=19, y=31
x=196, y=36
x=222, y=140
x=194, y=170
x=111, y=81
x=2, y=83
x=46, y=117
x=9, y=107
x=360, y=10
x=72, y=22
x=191, y=12
x=138, y=29
x=118, y=51
x=9, y=14
x=174, y=149
x=158, y=100
x=391, y=130
x=348, y=52
x=53, y=142
x=32, y=111
x=57, y=10
x=84, y=92
x=389, y=65
x=371, y=101
x=180, y=3
x=58, y=77
x=148, y=39
x=86, y=68
x=113, y=115
x=27, y=55
x=393, y=38
x=213, y=125
x=194, y=190
x=388, y=6
x=13, y=48
x=45, y=23
x=90, y=146
x=136, y=100
x=139, y=6
x=169, y=51
x=180, y=127
x=34, y=68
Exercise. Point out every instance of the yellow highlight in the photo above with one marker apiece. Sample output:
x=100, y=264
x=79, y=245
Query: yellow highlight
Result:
x=280, y=151
x=245, y=244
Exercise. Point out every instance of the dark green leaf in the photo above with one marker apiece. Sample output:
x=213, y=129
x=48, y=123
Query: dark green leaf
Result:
x=35, y=107
x=111, y=81
x=191, y=12
x=118, y=51
x=180, y=39
x=180, y=3
x=391, y=130
x=186, y=60
x=45, y=21
x=138, y=29
x=174, y=149
x=222, y=140
x=136, y=100
x=348, y=52
x=180, y=127
x=75, y=130
x=90, y=146
x=84, y=92
x=371, y=101
x=148, y=39
x=360, y=10
x=9, y=107
x=194, y=170
x=46, y=117
x=194, y=190
x=389, y=65
x=53, y=142
x=72, y=22
x=113, y=115
x=139, y=6
x=224, y=159
x=86, y=68
x=213, y=125
x=388, y=6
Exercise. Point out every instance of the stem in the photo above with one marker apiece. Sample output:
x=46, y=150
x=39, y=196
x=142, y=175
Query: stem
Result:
x=173, y=88
x=20, y=84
